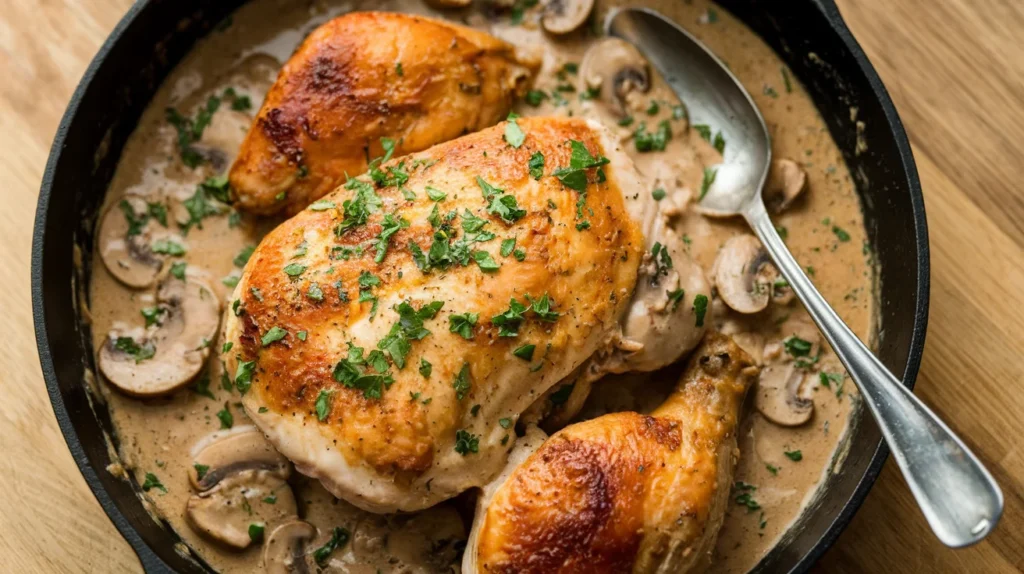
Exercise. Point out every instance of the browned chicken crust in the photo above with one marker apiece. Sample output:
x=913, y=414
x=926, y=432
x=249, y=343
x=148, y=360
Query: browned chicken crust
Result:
x=626, y=492
x=361, y=77
x=588, y=276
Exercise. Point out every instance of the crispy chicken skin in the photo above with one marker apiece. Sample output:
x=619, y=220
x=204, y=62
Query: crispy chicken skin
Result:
x=623, y=492
x=361, y=77
x=398, y=452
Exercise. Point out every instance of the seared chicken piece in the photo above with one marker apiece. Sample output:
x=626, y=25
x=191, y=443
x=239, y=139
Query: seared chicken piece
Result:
x=623, y=492
x=361, y=77
x=389, y=336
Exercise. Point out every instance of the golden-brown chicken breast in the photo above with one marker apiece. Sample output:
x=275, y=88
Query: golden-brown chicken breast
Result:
x=623, y=492
x=390, y=335
x=359, y=78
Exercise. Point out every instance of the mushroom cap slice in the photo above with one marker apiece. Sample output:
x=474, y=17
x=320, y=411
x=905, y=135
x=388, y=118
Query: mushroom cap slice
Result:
x=778, y=398
x=128, y=257
x=181, y=342
x=241, y=499
x=744, y=274
x=236, y=452
x=616, y=68
x=564, y=16
x=284, y=551
x=786, y=181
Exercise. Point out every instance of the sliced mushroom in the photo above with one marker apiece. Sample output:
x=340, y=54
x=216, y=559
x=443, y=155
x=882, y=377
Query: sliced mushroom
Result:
x=614, y=68
x=125, y=237
x=744, y=274
x=285, y=550
x=564, y=16
x=240, y=500
x=786, y=181
x=173, y=352
x=236, y=452
x=778, y=397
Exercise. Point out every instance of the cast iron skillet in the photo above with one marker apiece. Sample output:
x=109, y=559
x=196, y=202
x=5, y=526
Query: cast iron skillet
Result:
x=153, y=37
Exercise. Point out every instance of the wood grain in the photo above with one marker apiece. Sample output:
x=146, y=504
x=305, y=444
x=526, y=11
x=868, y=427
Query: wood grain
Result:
x=956, y=71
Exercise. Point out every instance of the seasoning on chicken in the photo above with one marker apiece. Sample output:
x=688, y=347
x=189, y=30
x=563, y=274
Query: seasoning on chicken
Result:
x=387, y=338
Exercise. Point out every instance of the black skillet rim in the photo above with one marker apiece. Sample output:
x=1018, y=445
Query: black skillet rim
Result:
x=150, y=561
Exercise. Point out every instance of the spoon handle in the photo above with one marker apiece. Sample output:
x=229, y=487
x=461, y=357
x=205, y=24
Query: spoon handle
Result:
x=958, y=496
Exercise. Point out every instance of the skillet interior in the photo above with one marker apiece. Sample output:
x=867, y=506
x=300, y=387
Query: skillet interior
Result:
x=155, y=35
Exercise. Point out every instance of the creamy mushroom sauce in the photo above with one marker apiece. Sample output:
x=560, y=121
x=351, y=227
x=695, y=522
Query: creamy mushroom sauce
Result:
x=159, y=437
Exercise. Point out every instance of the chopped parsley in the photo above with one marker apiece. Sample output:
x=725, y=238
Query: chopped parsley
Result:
x=191, y=130
x=674, y=297
x=273, y=335
x=658, y=194
x=151, y=482
x=507, y=246
x=700, y=308
x=514, y=135
x=409, y=327
x=256, y=532
x=350, y=371
x=536, y=165
x=323, y=404
x=227, y=420
x=201, y=470
x=542, y=308
x=243, y=375
x=339, y=537
x=794, y=455
x=646, y=141
x=463, y=324
x=357, y=210
x=435, y=194
x=466, y=443
x=505, y=422
x=535, y=97
x=704, y=131
x=425, y=368
x=389, y=227
x=178, y=270
x=168, y=247
x=501, y=204
x=525, y=352
x=152, y=315
x=745, y=497
x=662, y=261
x=797, y=347
x=841, y=233
x=462, y=383
x=485, y=261
x=139, y=352
x=719, y=143
x=508, y=322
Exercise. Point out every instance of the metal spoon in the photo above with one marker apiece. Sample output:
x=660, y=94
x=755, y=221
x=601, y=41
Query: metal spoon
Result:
x=958, y=496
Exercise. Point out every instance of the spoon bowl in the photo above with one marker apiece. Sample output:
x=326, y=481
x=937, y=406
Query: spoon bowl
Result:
x=958, y=496
x=709, y=91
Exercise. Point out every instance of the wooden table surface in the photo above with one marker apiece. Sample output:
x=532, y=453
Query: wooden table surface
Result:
x=956, y=71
